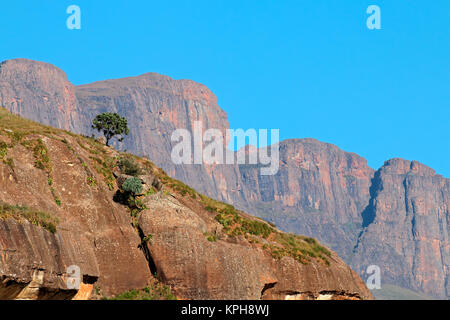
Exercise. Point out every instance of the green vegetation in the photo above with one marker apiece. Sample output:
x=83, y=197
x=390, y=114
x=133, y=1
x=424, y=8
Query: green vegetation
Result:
x=3, y=149
x=155, y=292
x=9, y=162
x=147, y=238
x=42, y=161
x=40, y=153
x=235, y=225
x=129, y=166
x=18, y=128
x=105, y=167
x=210, y=237
x=91, y=181
x=150, y=191
x=133, y=186
x=101, y=161
x=179, y=186
x=38, y=218
x=300, y=248
x=111, y=125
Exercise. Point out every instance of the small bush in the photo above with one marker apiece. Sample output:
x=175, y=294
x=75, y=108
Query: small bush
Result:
x=40, y=153
x=210, y=237
x=132, y=185
x=128, y=166
x=91, y=181
x=147, y=238
x=3, y=149
x=150, y=191
x=210, y=209
x=9, y=162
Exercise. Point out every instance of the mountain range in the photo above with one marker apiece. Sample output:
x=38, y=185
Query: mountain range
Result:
x=395, y=217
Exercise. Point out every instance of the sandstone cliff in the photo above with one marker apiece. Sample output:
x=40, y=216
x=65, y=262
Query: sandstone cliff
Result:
x=408, y=216
x=61, y=205
x=319, y=191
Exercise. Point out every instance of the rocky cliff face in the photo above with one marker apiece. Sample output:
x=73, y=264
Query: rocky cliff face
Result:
x=319, y=191
x=406, y=226
x=41, y=92
x=60, y=206
x=54, y=173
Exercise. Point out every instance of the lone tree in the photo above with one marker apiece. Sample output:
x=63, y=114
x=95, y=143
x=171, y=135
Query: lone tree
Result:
x=111, y=124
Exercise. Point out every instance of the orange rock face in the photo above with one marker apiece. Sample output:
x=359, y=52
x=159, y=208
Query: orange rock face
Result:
x=94, y=232
x=232, y=268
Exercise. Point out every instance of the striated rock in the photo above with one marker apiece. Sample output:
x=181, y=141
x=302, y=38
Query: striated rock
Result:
x=318, y=191
x=406, y=228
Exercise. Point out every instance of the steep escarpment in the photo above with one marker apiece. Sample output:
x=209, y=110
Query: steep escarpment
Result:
x=319, y=191
x=40, y=91
x=63, y=204
x=406, y=227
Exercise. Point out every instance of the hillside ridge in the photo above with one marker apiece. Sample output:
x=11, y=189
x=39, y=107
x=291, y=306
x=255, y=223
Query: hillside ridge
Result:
x=63, y=204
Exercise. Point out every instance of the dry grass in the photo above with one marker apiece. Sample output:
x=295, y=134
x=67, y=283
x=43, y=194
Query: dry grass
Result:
x=17, y=128
x=154, y=291
x=38, y=218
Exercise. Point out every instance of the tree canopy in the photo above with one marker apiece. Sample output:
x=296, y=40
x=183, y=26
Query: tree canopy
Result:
x=111, y=124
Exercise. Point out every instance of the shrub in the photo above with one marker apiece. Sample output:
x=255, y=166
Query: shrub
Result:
x=91, y=181
x=128, y=166
x=147, y=238
x=132, y=185
x=3, y=149
x=9, y=162
x=210, y=236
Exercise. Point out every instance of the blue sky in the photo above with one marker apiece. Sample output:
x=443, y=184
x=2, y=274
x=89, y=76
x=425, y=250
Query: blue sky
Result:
x=310, y=68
